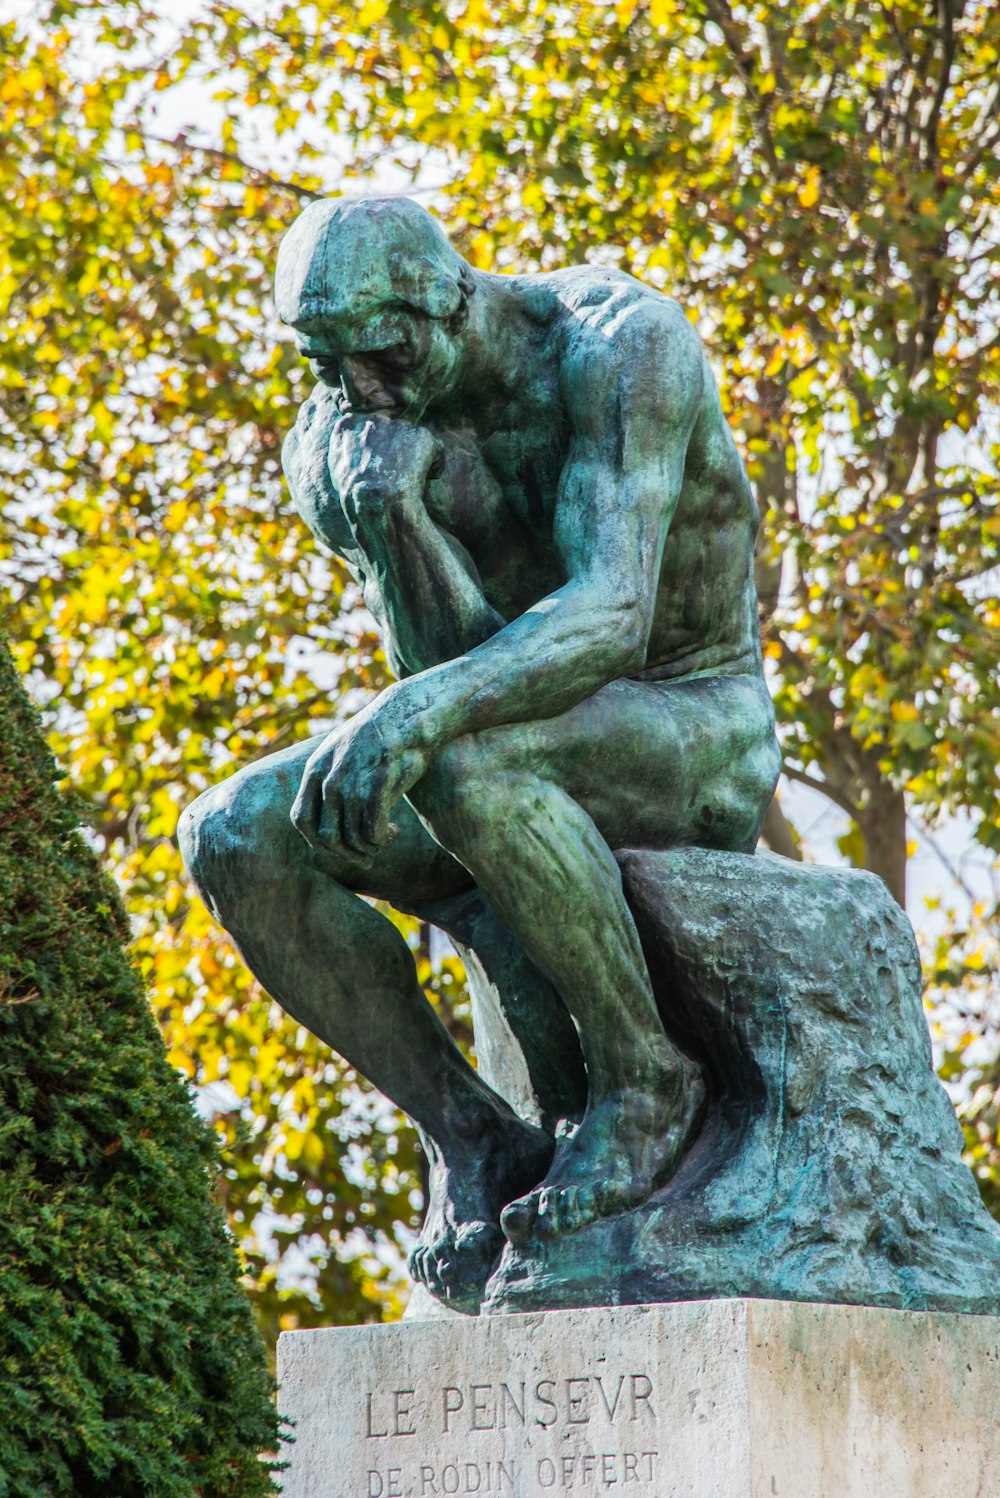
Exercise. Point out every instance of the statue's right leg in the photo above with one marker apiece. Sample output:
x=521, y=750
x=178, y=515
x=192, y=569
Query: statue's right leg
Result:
x=344, y=971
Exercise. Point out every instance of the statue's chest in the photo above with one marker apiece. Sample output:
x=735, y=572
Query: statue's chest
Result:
x=496, y=495
x=527, y=464
x=512, y=472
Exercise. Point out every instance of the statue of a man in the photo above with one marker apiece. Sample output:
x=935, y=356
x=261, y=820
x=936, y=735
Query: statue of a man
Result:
x=533, y=479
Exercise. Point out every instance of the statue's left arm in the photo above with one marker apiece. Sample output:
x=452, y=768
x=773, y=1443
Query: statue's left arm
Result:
x=633, y=412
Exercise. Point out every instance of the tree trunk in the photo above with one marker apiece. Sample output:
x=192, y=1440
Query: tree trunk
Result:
x=882, y=823
x=778, y=833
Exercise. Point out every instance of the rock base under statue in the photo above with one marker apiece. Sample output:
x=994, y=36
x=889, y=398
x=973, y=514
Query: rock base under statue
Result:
x=705, y=1399
x=828, y=1166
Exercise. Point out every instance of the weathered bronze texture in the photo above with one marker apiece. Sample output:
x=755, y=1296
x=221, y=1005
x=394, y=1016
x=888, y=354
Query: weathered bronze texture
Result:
x=533, y=480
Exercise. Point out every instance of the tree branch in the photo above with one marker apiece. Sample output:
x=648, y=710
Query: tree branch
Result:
x=778, y=833
x=950, y=867
x=988, y=140
x=825, y=789
x=180, y=142
x=947, y=60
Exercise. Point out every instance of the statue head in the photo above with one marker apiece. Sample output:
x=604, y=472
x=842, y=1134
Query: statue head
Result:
x=377, y=298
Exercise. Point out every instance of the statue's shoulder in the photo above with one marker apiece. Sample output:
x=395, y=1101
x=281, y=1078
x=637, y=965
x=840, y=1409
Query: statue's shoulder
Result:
x=606, y=329
x=602, y=312
x=595, y=294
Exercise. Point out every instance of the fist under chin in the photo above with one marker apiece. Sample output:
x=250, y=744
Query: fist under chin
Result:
x=368, y=501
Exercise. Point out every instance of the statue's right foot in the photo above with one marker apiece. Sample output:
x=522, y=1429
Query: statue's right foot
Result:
x=461, y=1239
x=627, y=1146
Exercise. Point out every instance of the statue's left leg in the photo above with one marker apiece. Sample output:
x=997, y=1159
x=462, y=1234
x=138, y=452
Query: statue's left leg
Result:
x=527, y=1046
x=534, y=812
x=302, y=922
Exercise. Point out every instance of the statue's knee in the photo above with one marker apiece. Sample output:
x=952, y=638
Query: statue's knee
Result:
x=772, y=767
x=204, y=836
x=761, y=772
x=746, y=795
x=223, y=837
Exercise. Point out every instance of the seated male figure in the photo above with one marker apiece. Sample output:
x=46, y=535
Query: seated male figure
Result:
x=534, y=481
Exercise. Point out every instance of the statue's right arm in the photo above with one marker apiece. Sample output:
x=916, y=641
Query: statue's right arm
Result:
x=419, y=583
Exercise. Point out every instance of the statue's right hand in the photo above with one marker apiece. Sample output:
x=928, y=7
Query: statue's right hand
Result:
x=375, y=460
x=305, y=451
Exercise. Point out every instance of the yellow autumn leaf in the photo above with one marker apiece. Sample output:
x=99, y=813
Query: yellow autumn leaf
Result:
x=166, y=811
x=95, y=598
x=312, y=1150
x=809, y=191
x=240, y=1075
x=294, y=1144
x=775, y=362
x=370, y=12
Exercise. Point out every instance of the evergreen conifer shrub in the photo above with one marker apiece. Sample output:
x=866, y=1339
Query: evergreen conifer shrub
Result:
x=129, y=1363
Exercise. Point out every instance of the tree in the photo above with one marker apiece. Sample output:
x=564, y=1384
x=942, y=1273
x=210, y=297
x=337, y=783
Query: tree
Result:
x=156, y=593
x=129, y=1362
x=819, y=186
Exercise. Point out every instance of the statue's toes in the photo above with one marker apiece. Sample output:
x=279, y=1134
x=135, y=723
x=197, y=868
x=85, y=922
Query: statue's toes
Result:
x=518, y=1219
x=548, y=1219
x=585, y=1205
x=565, y=1209
x=417, y=1264
x=478, y=1246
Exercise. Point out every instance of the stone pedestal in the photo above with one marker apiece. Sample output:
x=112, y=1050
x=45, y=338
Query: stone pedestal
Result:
x=705, y=1399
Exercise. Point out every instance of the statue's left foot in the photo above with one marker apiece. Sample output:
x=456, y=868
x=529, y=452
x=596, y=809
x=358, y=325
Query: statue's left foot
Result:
x=456, y=1263
x=461, y=1238
x=627, y=1146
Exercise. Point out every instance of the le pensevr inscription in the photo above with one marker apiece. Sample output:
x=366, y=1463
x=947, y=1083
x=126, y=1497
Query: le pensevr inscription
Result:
x=593, y=1470
x=464, y=1408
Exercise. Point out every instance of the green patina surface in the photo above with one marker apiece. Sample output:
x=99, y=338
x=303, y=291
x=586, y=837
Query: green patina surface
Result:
x=828, y=1167
x=533, y=480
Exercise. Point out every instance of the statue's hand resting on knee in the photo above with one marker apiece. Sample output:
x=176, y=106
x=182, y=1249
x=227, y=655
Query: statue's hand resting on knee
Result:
x=352, y=782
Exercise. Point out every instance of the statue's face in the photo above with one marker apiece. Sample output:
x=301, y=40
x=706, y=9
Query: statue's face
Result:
x=395, y=361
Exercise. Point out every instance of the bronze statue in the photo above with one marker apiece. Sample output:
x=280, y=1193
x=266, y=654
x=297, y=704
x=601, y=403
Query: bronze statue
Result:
x=534, y=481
